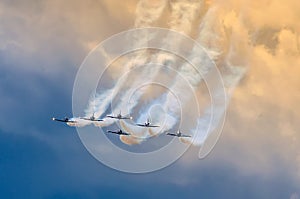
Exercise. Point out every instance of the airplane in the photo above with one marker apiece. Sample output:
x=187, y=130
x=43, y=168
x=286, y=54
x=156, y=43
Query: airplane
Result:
x=92, y=118
x=178, y=134
x=65, y=120
x=147, y=124
x=119, y=132
x=119, y=117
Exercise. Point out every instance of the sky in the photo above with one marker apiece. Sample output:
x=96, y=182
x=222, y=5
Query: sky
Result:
x=42, y=45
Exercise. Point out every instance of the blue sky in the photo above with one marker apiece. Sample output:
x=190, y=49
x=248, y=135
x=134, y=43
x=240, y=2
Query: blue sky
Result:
x=42, y=44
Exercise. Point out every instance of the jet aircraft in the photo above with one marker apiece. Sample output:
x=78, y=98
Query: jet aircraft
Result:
x=119, y=132
x=65, y=120
x=147, y=124
x=92, y=118
x=119, y=117
x=178, y=134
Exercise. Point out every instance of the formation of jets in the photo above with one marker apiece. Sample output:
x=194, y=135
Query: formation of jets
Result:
x=147, y=124
x=92, y=118
x=120, y=132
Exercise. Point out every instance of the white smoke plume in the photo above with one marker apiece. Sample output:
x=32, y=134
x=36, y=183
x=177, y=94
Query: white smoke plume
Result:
x=147, y=12
x=192, y=76
x=218, y=33
x=183, y=14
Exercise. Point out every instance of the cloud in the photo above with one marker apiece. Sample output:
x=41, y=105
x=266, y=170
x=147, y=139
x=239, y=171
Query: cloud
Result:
x=49, y=39
x=266, y=101
x=262, y=122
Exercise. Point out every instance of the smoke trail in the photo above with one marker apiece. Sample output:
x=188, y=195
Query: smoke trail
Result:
x=231, y=78
x=178, y=10
x=130, y=140
x=205, y=32
x=232, y=68
x=188, y=72
x=213, y=35
x=147, y=12
x=194, y=76
x=78, y=122
x=183, y=13
x=231, y=75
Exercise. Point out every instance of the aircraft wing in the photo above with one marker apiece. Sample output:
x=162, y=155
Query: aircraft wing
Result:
x=83, y=118
x=118, y=117
x=126, y=118
x=65, y=121
x=153, y=126
x=112, y=132
x=172, y=134
x=143, y=125
x=187, y=136
x=95, y=120
x=58, y=120
x=98, y=120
